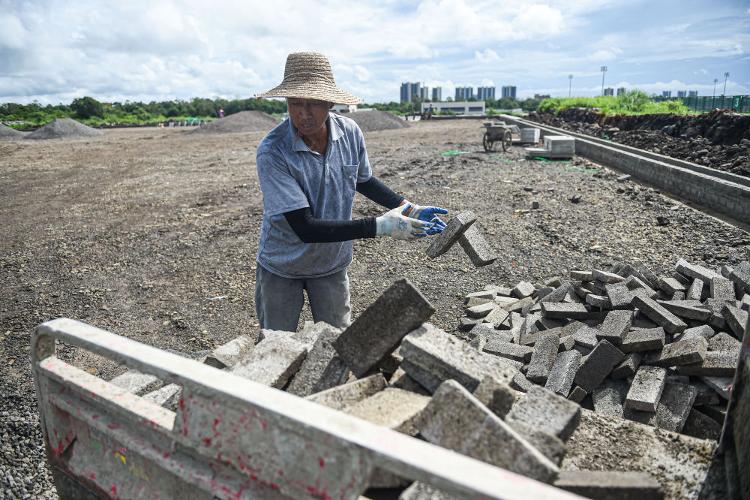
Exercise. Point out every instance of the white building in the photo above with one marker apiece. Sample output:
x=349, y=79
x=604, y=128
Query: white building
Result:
x=345, y=108
x=457, y=107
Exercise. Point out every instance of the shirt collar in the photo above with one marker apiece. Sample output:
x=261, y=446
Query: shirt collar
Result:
x=334, y=134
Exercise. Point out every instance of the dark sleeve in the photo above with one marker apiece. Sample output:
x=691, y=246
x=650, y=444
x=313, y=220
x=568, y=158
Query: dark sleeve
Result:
x=312, y=230
x=378, y=192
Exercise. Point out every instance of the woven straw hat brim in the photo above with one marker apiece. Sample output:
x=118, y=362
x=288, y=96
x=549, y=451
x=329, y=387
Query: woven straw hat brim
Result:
x=321, y=92
x=308, y=75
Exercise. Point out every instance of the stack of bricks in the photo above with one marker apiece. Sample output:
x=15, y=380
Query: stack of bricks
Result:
x=623, y=342
x=545, y=370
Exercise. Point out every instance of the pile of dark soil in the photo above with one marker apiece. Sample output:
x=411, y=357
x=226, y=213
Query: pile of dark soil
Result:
x=719, y=139
x=372, y=120
x=244, y=121
x=64, y=128
x=9, y=134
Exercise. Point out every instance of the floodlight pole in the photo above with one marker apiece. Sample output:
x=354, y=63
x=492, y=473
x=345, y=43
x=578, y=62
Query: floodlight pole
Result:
x=726, y=75
x=604, y=71
x=570, y=85
x=713, y=98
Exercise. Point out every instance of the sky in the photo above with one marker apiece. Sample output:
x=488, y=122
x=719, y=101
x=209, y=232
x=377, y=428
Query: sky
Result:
x=54, y=51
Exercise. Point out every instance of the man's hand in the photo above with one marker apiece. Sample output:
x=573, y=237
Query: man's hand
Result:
x=396, y=225
x=427, y=214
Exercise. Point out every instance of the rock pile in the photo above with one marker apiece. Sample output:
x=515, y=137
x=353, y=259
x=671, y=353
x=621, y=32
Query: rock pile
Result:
x=9, y=134
x=718, y=140
x=244, y=121
x=371, y=120
x=64, y=128
x=625, y=343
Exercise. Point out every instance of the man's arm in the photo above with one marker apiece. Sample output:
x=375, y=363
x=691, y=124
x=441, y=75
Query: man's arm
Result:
x=375, y=190
x=312, y=230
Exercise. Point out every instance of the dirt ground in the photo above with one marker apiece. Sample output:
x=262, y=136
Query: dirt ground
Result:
x=152, y=233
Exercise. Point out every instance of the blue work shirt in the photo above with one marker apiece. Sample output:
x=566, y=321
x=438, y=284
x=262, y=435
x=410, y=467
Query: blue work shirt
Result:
x=292, y=177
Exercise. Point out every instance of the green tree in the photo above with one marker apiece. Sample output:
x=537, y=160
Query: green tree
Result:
x=87, y=107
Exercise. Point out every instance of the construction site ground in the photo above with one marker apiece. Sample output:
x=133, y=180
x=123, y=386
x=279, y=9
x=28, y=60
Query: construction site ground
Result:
x=152, y=234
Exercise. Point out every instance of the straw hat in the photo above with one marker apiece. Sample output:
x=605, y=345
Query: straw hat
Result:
x=308, y=75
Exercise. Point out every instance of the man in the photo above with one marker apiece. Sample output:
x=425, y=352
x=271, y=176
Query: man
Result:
x=310, y=167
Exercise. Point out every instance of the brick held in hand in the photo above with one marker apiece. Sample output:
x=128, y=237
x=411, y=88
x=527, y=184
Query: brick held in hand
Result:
x=450, y=235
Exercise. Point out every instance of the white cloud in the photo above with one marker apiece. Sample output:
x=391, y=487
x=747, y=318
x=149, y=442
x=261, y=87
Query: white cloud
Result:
x=51, y=50
x=486, y=56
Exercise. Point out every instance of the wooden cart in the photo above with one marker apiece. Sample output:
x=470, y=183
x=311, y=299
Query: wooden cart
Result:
x=496, y=133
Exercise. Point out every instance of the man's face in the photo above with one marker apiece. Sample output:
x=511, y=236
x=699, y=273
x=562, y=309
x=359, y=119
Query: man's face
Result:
x=308, y=115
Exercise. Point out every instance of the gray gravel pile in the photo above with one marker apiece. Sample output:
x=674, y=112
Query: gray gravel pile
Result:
x=64, y=128
x=625, y=343
x=9, y=134
x=372, y=120
x=244, y=121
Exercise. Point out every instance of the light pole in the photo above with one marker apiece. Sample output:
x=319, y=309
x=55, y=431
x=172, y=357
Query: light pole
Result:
x=570, y=85
x=713, y=98
x=604, y=71
x=726, y=75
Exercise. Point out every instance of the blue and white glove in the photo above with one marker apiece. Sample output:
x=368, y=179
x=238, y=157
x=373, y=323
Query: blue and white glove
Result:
x=427, y=214
x=399, y=227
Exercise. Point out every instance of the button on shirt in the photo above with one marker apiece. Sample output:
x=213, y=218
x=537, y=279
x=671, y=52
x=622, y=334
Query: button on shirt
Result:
x=292, y=176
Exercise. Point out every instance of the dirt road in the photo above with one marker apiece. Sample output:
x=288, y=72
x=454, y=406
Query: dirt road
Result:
x=151, y=233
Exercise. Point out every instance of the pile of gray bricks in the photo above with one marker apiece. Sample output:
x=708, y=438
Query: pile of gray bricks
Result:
x=623, y=342
x=532, y=367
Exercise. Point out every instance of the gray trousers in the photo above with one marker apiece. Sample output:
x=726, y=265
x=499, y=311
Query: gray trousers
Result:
x=278, y=301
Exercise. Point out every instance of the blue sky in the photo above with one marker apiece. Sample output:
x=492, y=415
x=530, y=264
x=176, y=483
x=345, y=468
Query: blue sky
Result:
x=53, y=51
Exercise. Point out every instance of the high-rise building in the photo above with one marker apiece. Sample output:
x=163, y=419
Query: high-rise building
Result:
x=509, y=91
x=411, y=91
x=621, y=91
x=405, y=92
x=682, y=93
x=437, y=94
x=464, y=93
x=693, y=93
x=666, y=93
x=609, y=91
x=415, y=91
x=424, y=93
x=484, y=93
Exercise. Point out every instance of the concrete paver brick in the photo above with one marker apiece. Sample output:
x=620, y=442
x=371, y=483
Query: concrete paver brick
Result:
x=378, y=330
x=643, y=339
x=659, y=315
x=598, y=364
x=450, y=235
x=542, y=358
x=477, y=247
x=646, y=389
x=563, y=372
x=458, y=421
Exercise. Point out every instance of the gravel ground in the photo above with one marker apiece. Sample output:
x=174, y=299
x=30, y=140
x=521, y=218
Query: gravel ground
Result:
x=151, y=233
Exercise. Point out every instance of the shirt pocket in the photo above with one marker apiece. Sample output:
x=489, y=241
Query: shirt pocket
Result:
x=349, y=175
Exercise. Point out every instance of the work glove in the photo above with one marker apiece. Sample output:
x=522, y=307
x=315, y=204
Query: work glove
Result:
x=399, y=227
x=427, y=214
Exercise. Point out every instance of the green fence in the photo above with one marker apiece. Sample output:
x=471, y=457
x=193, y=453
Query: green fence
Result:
x=739, y=103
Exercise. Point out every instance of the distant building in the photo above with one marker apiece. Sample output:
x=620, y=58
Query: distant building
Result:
x=410, y=91
x=464, y=93
x=542, y=96
x=666, y=93
x=621, y=91
x=509, y=91
x=609, y=91
x=424, y=93
x=693, y=93
x=682, y=93
x=345, y=108
x=484, y=93
x=437, y=94
x=458, y=107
